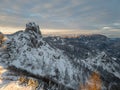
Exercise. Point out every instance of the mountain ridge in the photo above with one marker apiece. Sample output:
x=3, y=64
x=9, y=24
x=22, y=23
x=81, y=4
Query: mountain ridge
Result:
x=69, y=61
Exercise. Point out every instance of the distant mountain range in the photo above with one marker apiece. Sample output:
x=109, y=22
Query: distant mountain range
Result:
x=66, y=62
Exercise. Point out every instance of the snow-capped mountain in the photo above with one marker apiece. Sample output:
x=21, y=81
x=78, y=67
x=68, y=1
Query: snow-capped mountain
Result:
x=67, y=62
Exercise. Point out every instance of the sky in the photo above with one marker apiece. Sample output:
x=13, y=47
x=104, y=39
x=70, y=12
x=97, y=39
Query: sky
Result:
x=62, y=16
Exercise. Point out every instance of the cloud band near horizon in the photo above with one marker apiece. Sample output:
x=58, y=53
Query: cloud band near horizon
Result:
x=100, y=15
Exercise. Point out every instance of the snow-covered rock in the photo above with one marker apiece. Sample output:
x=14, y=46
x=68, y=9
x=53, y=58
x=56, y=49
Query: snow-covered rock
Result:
x=28, y=51
x=31, y=26
x=68, y=62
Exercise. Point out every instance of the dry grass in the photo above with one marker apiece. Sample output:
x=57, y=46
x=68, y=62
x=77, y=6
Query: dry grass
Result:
x=29, y=82
x=93, y=83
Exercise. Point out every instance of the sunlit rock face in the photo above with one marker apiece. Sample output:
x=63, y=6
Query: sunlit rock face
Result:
x=2, y=38
x=31, y=26
x=1, y=35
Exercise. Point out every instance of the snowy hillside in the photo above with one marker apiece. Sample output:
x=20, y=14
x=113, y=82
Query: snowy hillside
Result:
x=65, y=61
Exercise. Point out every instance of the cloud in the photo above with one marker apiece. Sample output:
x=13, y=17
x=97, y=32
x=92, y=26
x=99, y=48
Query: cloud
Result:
x=106, y=28
x=62, y=14
x=117, y=24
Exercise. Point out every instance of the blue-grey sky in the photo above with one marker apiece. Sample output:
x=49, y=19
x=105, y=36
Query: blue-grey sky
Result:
x=102, y=16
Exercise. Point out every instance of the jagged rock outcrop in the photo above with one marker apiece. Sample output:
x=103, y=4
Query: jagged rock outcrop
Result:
x=31, y=26
x=28, y=51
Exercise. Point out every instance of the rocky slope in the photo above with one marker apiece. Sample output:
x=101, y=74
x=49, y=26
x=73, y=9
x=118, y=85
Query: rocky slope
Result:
x=96, y=52
x=66, y=62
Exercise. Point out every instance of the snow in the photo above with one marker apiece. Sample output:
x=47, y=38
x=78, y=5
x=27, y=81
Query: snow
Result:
x=43, y=60
x=99, y=62
x=9, y=80
x=28, y=51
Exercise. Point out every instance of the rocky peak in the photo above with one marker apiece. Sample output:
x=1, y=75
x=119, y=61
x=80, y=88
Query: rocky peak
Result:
x=31, y=26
